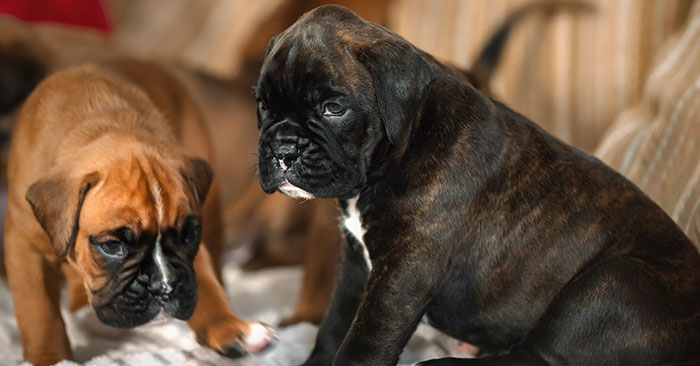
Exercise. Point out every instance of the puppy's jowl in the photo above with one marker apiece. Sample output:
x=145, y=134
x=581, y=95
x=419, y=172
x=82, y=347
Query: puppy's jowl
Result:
x=100, y=176
x=460, y=209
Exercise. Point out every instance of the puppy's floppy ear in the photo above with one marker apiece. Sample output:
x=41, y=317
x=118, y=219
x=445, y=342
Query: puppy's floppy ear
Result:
x=198, y=176
x=56, y=202
x=401, y=78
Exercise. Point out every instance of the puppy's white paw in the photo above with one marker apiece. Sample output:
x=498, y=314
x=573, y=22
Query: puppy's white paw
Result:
x=258, y=338
x=240, y=338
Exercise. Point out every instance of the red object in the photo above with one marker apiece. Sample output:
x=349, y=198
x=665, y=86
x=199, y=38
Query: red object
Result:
x=82, y=13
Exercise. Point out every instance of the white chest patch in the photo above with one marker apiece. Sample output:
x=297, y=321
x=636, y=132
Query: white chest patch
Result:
x=353, y=223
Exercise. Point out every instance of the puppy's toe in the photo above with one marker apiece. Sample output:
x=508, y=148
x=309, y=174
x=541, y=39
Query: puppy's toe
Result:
x=233, y=351
x=256, y=337
x=259, y=338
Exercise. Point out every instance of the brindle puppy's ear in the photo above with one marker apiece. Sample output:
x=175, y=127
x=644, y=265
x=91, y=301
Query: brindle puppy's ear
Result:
x=401, y=78
x=56, y=202
x=270, y=44
x=198, y=175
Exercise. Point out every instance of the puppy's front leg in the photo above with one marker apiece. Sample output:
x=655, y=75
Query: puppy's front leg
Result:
x=213, y=321
x=396, y=298
x=349, y=288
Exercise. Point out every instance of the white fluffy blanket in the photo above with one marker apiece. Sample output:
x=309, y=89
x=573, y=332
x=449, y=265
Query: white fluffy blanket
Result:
x=265, y=295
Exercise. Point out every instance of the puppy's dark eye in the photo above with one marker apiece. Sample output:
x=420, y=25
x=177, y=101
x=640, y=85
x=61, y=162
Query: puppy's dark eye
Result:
x=126, y=235
x=113, y=249
x=262, y=105
x=333, y=109
x=191, y=231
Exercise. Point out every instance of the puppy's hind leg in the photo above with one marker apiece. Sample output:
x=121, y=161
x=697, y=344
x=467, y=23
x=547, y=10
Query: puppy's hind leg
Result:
x=624, y=311
x=320, y=263
x=514, y=357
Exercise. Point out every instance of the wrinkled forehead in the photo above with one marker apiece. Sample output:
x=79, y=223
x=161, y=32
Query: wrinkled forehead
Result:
x=143, y=195
x=308, y=57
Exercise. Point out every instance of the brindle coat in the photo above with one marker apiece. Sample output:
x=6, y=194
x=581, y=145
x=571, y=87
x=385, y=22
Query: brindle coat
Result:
x=504, y=236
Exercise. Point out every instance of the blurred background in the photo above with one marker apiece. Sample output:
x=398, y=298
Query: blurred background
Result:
x=618, y=79
x=571, y=73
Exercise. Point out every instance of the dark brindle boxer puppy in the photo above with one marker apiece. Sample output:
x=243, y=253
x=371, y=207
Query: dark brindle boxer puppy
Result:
x=458, y=208
x=99, y=176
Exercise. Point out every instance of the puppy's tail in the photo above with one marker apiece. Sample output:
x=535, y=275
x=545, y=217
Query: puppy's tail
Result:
x=485, y=65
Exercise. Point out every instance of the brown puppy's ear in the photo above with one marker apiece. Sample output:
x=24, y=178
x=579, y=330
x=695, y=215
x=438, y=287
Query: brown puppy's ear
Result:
x=401, y=77
x=198, y=176
x=56, y=202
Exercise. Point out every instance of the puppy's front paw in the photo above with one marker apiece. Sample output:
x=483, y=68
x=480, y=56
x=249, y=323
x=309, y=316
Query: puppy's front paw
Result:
x=236, y=339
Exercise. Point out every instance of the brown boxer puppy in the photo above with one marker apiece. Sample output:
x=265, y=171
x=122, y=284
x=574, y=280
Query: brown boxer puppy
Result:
x=459, y=209
x=284, y=231
x=102, y=174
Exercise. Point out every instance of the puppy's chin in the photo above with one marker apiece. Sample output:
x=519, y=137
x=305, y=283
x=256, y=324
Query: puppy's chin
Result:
x=154, y=315
x=160, y=318
x=124, y=310
x=275, y=176
x=293, y=191
x=121, y=318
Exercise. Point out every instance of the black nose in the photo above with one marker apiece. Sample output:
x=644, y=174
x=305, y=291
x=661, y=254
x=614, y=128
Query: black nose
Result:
x=287, y=152
x=285, y=148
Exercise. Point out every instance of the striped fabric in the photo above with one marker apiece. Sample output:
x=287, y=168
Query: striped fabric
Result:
x=626, y=78
x=656, y=143
x=572, y=72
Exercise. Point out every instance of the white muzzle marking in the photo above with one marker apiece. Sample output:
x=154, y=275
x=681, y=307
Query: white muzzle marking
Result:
x=282, y=165
x=293, y=191
x=158, y=256
x=162, y=266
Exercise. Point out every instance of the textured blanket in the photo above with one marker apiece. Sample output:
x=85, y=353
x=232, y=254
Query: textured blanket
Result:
x=265, y=295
